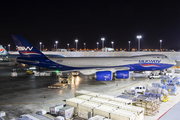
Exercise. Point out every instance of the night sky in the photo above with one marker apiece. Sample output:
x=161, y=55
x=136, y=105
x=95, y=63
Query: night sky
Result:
x=88, y=21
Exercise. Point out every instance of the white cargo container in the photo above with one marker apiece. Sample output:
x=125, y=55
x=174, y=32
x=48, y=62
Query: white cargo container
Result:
x=114, y=104
x=59, y=118
x=29, y=117
x=123, y=100
x=41, y=112
x=43, y=117
x=2, y=114
x=50, y=117
x=55, y=109
x=81, y=92
x=107, y=119
x=139, y=111
x=67, y=112
x=94, y=94
x=84, y=97
x=104, y=110
x=85, y=110
x=122, y=115
x=74, y=102
x=104, y=96
x=98, y=100
x=97, y=117
x=19, y=119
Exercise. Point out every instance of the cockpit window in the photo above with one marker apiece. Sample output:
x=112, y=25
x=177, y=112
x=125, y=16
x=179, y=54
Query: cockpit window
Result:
x=166, y=57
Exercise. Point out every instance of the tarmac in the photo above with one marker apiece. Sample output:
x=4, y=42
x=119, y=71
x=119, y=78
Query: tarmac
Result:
x=27, y=94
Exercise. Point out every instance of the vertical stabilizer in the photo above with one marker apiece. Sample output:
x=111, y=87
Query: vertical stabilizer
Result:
x=25, y=49
x=3, y=51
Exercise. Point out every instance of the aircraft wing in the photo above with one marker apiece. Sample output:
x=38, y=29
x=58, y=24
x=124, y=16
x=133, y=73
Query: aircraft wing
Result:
x=93, y=71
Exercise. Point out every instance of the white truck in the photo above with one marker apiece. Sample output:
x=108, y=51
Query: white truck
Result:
x=140, y=89
x=154, y=76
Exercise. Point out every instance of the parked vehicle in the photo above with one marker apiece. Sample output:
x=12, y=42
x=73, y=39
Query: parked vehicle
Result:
x=140, y=89
x=154, y=76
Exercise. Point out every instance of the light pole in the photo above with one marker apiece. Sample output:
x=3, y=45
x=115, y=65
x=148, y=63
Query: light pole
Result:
x=43, y=47
x=129, y=44
x=9, y=47
x=139, y=37
x=56, y=44
x=97, y=45
x=84, y=45
x=76, y=43
x=40, y=45
x=160, y=45
x=102, y=42
x=112, y=44
x=68, y=46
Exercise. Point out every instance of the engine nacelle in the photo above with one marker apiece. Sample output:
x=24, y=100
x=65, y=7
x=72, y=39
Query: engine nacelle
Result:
x=103, y=76
x=122, y=74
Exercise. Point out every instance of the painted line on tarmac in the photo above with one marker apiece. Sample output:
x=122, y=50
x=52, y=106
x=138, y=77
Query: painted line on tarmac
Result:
x=124, y=87
x=167, y=111
x=120, y=88
x=28, y=103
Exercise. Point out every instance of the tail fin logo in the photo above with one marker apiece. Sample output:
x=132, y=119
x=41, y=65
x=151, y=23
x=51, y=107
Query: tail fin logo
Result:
x=2, y=50
x=22, y=48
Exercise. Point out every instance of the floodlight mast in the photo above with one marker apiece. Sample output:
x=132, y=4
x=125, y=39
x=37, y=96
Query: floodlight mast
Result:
x=160, y=45
x=56, y=44
x=76, y=43
x=129, y=44
x=112, y=44
x=139, y=37
x=102, y=42
x=97, y=45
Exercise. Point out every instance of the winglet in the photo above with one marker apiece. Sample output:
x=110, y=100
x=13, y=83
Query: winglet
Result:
x=3, y=51
x=24, y=48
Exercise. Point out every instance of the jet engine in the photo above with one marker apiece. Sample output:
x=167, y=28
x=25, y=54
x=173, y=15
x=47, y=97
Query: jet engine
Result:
x=122, y=74
x=103, y=76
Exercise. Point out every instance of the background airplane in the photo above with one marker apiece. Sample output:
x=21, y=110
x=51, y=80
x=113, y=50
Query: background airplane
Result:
x=6, y=56
x=103, y=68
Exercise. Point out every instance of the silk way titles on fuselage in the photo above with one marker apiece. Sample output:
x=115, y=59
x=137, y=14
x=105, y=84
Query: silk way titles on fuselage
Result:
x=143, y=61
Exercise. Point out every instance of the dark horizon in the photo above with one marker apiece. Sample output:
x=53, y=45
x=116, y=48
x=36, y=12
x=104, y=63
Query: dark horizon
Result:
x=87, y=21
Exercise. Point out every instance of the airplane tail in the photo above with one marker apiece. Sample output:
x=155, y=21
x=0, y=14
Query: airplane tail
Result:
x=25, y=49
x=3, y=51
